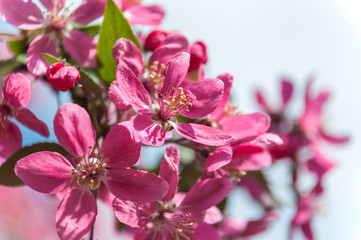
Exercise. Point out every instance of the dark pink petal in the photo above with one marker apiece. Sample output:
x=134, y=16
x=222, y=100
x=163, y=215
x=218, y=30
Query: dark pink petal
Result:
x=220, y=157
x=134, y=214
x=206, y=194
x=26, y=117
x=76, y=214
x=202, y=134
x=161, y=234
x=333, y=139
x=287, y=90
x=10, y=140
x=262, y=101
x=89, y=10
x=126, y=52
x=149, y=131
x=119, y=147
x=319, y=164
x=307, y=231
x=62, y=77
x=246, y=125
x=35, y=62
x=176, y=71
x=16, y=90
x=219, y=112
x=132, y=90
x=116, y=96
x=144, y=15
x=46, y=172
x=206, y=231
x=206, y=96
x=135, y=185
x=74, y=130
x=198, y=52
x=154, y=39
x=81, y=47
x=250, y=157
x=169, y=171
x=25, y=15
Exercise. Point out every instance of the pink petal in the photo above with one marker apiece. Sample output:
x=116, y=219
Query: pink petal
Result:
x=149, y=131
x=202, y=134
x=35, y=62
x=287, y=90
x=119, y=147
x=116, y=96
x=219, y=112
x=81, y=47
x=206, y=194
x=176, y=38
x=198, y=52
x=319, y=164
x=176, y=71
x=16, y=90
x=76, y=214
x=213, y=215
x=269, y=138
x=246, y=125
x=220, y=157
x=250, y=157
x=74, y=130
x=134, y=214
x=46, y=172
x=51, y=4
x=105, y=196
x=262, y=101
x=154, y=39
x=26, y=117
x=25, y=15
x=333, y=139
x=144, y=15
x=89, y=10
x=132, y=90
x=206, y=231
x=206, y=96
x=169, y=170
x=10, y=140
x=127, y=52
x=135, y=185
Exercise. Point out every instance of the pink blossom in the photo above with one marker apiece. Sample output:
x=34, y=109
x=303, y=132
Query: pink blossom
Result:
x=193, y=101
x=62, y=77
x=138, y=14
x=16, y=95
x=176, y=215
x=28, y=16
x=50, y=172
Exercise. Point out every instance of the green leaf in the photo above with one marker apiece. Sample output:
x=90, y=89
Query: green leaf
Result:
x=89, y=30
x=50, y=58
x=16, y=46
x=7, y=174
x=114, y=26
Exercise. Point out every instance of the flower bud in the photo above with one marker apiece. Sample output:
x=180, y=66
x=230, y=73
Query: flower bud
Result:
x=198, y=52
x=154, y=39
x=62, y=77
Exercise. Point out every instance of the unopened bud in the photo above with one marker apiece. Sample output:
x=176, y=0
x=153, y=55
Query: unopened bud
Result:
x=62, y=77
x=154, y=39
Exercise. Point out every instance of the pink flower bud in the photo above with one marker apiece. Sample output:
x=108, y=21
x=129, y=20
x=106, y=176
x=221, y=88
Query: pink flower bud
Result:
x=198, y=52
x=62, y=77
x=154, y=39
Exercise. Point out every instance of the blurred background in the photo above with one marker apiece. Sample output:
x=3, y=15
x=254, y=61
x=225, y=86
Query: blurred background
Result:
x=260, y=41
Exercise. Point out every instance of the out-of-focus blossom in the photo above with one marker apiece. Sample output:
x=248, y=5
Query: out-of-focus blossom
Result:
x=16, y=94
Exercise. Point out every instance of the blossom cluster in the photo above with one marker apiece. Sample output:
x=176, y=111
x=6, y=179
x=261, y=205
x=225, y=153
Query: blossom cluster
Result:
x=148, y=91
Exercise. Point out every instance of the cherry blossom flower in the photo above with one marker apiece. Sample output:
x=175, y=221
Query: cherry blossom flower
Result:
x=194, y=101
x=16, y=94
x=176, y=215
x=50, y=172
x=57, y=19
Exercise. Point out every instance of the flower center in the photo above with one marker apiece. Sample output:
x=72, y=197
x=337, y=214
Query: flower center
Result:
x=89, y=171
x=181, y=225
x=156, y=77
x=173, y=103
x=57, y=17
